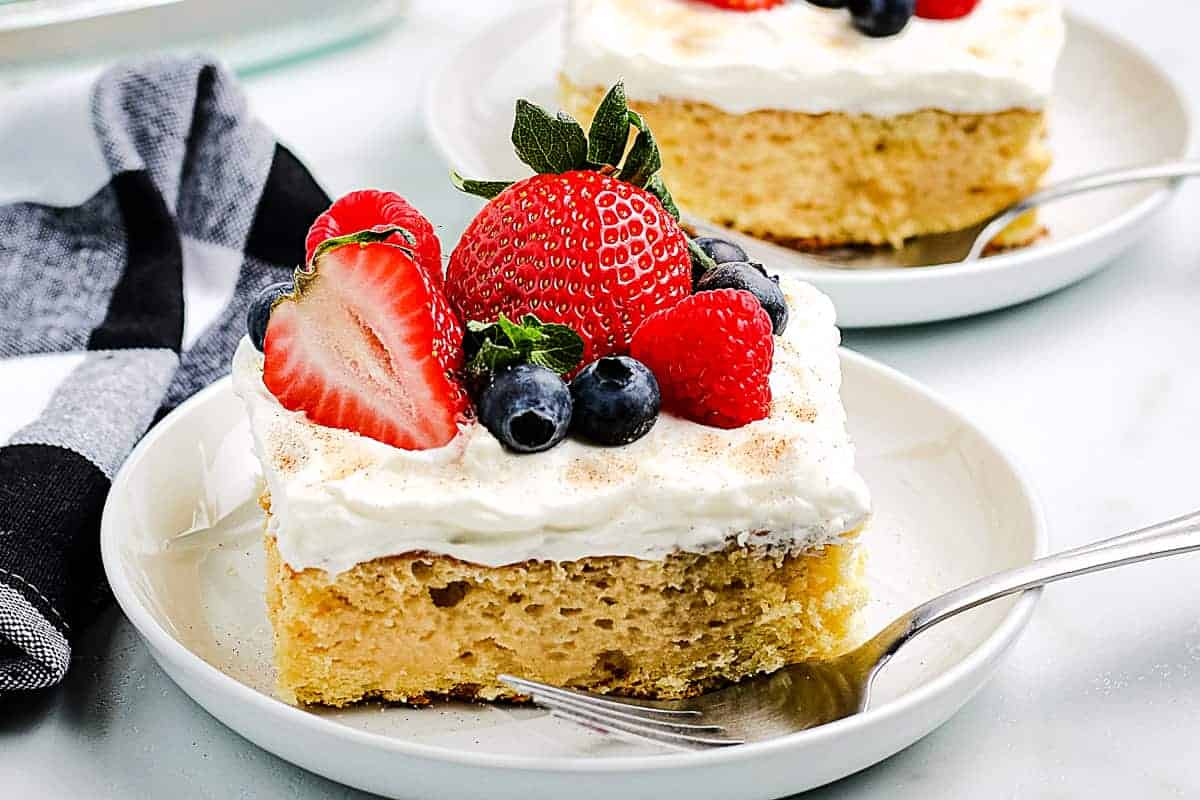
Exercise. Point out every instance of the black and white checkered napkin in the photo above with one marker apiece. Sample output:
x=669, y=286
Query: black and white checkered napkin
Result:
x=139, y=213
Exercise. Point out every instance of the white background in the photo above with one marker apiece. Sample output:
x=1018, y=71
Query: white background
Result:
x=1096, y=390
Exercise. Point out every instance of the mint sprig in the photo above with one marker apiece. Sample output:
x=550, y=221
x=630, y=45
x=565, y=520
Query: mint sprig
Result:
x=504, y=343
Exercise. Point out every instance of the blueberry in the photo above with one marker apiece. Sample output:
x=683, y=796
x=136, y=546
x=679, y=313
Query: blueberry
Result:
x=526, y=407
x=751, y=278
x=616, y=400
x=880, y=18
x=259, y=313
x=829, y=3
x=720, y=250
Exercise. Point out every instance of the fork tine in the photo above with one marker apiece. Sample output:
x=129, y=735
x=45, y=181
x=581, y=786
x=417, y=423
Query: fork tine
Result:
x=592, y=700
x=657, y=722
x=636, y=730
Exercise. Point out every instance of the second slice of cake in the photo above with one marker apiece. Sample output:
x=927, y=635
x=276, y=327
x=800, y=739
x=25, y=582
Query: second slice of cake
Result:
x=790, y=125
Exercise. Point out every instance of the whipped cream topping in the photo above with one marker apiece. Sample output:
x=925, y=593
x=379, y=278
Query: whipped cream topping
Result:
x=787, y=481
x=799, y=57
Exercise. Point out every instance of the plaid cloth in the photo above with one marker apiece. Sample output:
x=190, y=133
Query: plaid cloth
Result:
x=139, y=214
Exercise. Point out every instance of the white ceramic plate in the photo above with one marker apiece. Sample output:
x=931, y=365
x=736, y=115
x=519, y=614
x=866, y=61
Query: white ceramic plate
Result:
x=1112, y=107
x=950, y=506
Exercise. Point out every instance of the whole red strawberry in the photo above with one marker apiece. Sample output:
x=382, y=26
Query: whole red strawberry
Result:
x=712, y=356
x=367, y=342
x=371, y=209
x=745, y=5
x=945, y=9
x=581, y=248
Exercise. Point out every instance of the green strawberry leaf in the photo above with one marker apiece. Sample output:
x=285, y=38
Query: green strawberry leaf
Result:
x=505, y=343
x=644, y=158
x=701, y=261
x=609, y=133
x=378, y=234
x=548, y=144
x=656, y=187
x=576, y=140
x=485, y=189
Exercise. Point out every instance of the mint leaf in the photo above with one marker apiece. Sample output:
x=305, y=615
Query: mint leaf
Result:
x=609, y=133
x=644, y=158
x=548, y=144
x=485, y=189
x=493, y=357
x=656, y=187
x=556, y=347
x=505, y=343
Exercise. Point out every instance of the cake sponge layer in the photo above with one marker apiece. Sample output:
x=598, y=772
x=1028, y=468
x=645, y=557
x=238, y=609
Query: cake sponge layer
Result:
x=412, y=627
x=823, y=180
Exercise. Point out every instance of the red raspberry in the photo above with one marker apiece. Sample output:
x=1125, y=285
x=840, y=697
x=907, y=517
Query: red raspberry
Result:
x=370, y=209
x=712, y=355
x=945, y=9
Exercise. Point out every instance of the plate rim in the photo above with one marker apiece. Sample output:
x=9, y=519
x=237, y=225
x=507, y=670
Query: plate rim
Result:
x=164, y=646
x=891, y=276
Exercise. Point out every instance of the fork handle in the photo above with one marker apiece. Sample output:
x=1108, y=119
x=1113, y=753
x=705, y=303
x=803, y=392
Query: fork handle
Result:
x=1166, y=170
x=1173, y=537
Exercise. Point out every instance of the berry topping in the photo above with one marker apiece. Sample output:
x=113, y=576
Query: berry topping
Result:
x=751, y=278
x=879, y=18
x=712, y=356
x=745, y=5
x=368, y=343
x=590, y=242
x=582, y=249
x=945, y=9
x=368, y=209
x=616, y=400
x=721, y=251
x=527, y=408
x=259, y=312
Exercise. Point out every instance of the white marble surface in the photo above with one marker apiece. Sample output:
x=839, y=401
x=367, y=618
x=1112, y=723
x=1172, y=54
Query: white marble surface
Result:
x=1095, y=390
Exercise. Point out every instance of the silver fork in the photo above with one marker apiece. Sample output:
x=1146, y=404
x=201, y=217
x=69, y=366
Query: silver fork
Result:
x=803, y=696
x=963, y=245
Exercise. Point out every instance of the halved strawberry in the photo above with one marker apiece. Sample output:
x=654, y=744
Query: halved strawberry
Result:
x=372, y=209
x=368, y=343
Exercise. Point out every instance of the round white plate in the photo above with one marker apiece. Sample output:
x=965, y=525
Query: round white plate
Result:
x=1112, y=107
x=950, y=506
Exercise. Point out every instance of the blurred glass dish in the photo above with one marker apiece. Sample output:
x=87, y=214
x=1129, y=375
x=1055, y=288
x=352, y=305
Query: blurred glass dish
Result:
x=25, y=14
x=43, y=37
